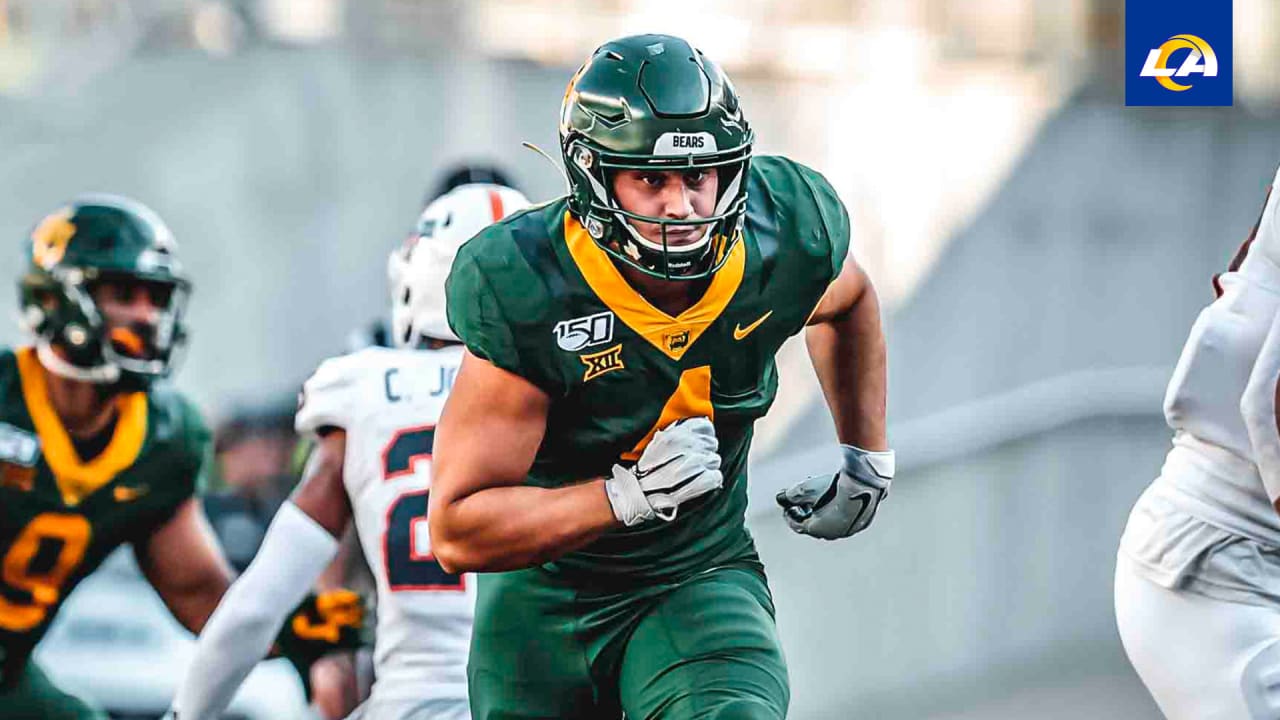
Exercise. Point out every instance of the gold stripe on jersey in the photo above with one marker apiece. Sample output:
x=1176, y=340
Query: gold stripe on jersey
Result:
x=672, y=336
x=77, y=480
x=692, y=398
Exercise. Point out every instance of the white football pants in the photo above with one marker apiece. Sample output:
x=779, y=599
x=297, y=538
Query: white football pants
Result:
x=1201, y=658
x=429, y=709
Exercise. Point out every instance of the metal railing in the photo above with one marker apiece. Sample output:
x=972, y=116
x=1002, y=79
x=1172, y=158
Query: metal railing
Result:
x=971, y=428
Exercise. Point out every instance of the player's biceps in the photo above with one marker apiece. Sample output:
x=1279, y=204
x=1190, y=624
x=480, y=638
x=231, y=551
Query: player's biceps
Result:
x=459, y=515
x=489, y=432
x=470, y=454
x=185, y=565
x=842, y=294
x=322, y=493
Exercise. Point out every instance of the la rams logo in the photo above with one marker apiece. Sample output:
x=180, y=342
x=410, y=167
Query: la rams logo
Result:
x=1165, y=66
x=602, y=362
x=50, y=238
x=1200, y=59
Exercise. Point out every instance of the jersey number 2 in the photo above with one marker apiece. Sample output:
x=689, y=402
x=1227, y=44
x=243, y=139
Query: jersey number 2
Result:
x=406, y=547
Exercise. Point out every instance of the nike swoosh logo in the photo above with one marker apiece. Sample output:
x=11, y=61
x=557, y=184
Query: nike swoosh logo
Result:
x=123, y=493
x=740, y=332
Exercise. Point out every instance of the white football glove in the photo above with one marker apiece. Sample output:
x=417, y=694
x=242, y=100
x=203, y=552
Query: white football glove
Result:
x=833, y=507
x=679, y=464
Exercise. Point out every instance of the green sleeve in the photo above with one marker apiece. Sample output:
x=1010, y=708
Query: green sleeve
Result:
x=199, y=447
x=182, y=460
x=474, y=313
x=834, y=217
x=800, y=208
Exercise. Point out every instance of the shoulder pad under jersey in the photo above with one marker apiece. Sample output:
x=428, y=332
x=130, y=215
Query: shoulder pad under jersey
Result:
x=332, y=396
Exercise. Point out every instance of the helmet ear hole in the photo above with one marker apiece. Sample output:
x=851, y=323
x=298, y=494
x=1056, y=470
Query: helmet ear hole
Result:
x=408, y=334
x=408, y=292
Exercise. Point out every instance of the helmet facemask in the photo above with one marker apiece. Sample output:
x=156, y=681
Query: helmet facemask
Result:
x=76, y=338
x=611, y=226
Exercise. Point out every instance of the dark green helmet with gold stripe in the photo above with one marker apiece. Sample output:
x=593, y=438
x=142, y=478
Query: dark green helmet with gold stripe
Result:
x=73, y=255
x=653, y=102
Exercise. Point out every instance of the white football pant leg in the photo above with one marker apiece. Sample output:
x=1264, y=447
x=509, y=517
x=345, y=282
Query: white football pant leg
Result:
x=430, y=709
x=1201, y=658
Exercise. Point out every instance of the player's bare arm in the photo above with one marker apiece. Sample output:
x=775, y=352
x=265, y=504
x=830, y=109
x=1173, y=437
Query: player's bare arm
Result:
x=335, y=692
x=321, y=494
x=846, y=345
x=483, y=519
x=301, y=541
x=183, y=562
x=847, y=348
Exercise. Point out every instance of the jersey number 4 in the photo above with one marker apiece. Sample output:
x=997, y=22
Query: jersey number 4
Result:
x=406, y=547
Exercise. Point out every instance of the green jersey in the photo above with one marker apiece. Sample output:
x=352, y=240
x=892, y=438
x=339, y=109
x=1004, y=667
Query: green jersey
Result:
x=61, y=516
x=537, y=297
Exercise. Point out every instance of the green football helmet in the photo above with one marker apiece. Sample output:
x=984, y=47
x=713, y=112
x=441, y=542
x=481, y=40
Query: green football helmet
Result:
x=653, y=102
x=97, y=238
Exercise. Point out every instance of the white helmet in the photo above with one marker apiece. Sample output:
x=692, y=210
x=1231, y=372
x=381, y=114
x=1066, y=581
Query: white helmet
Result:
x=417, y=270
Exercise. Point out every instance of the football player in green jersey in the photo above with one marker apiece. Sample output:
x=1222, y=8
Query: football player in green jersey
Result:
x=93, y=452
x=620, y=345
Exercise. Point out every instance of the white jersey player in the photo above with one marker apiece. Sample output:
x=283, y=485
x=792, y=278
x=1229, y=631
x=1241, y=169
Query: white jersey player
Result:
x=374, y=412
x=1198, y=573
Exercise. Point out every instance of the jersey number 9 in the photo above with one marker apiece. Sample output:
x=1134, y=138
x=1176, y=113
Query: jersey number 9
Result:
x=38, y=562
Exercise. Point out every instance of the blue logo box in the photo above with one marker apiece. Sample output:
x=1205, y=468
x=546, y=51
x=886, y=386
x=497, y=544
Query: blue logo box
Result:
x=1177, y=53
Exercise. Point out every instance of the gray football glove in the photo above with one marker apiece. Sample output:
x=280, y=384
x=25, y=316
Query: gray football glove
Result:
x=679, y=464
x=833, y=507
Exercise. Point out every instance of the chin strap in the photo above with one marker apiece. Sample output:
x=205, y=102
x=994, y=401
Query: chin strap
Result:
x=100, y=374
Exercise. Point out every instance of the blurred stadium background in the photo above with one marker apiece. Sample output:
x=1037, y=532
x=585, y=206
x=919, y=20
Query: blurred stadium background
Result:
x=1041, y=251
